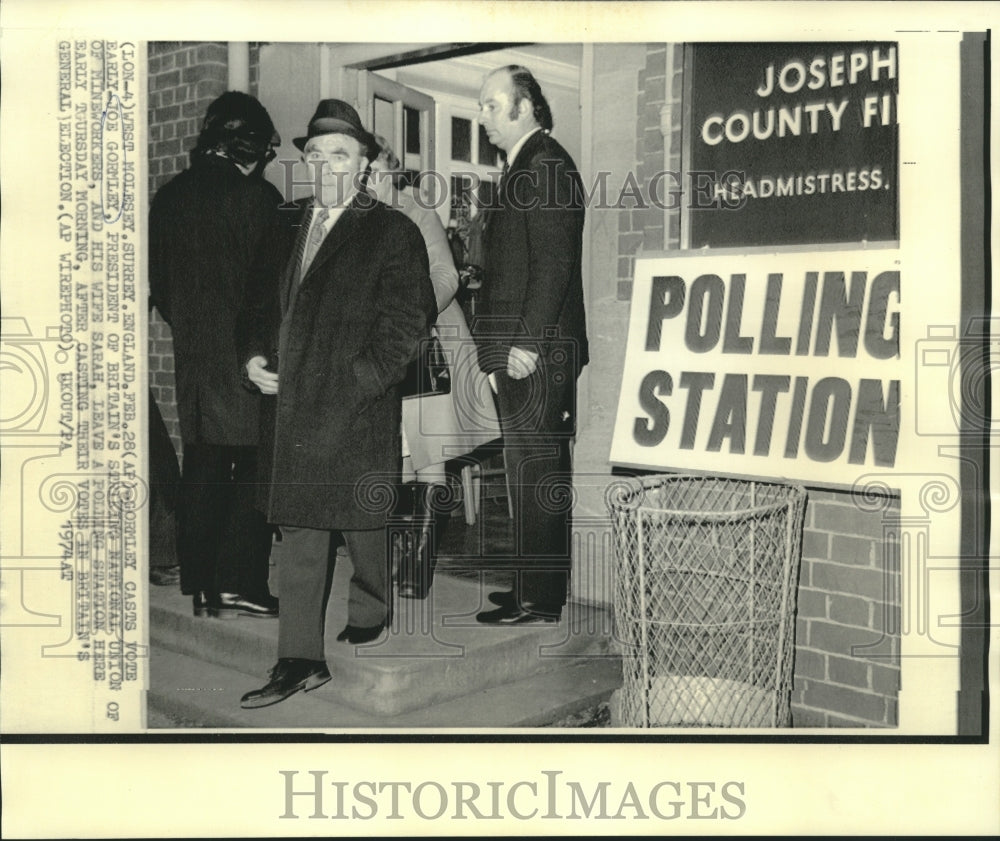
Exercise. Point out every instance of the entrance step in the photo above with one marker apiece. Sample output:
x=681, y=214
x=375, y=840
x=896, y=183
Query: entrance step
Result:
x=184, y=689
x=434, y=654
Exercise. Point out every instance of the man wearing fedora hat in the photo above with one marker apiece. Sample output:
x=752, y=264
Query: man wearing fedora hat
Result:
x=327, y=345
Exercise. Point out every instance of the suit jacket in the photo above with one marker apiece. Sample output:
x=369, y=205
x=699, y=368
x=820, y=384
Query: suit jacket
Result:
x=344, y=335
x=532, y=291
x=206, y=229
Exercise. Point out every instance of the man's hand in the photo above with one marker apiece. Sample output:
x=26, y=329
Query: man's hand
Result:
x=521, y=363
x=266, y=381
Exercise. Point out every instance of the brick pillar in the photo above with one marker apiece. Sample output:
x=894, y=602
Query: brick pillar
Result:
x=645, y=224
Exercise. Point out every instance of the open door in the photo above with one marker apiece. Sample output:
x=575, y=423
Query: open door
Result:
x=403, y=116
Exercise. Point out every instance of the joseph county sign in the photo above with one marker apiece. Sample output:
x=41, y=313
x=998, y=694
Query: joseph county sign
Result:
x=793, y=143
x=768, y=364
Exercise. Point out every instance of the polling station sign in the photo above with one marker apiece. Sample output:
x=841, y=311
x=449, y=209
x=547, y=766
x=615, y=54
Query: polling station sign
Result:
x=783, y=365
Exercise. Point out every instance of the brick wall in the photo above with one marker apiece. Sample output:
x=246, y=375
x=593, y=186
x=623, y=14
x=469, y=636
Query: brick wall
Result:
x=847, y=637
x=254, y=70
x=184, y=78
x=846, y=670
x=646, y=226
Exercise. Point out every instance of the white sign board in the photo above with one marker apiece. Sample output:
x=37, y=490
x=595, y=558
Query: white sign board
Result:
x=768, y=364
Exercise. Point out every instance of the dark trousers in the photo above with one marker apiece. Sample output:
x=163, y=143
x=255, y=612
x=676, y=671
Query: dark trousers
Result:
x=164, y=482
x=537, y=418
x=224, y=542
x=304, y=561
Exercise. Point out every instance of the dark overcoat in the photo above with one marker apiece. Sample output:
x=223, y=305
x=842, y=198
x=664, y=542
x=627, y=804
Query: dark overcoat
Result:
x=207, y=227
x=532, y=290
x=344, y=336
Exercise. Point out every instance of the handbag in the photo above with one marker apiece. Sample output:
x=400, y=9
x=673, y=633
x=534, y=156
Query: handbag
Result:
x=428, y=374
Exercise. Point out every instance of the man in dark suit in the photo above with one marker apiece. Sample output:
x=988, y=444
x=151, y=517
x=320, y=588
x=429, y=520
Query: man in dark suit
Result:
x=531, y=332
x=206, y=228
x=328, y=345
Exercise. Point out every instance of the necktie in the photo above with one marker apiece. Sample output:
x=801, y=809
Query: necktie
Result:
x=316, y=235
x=498, y=200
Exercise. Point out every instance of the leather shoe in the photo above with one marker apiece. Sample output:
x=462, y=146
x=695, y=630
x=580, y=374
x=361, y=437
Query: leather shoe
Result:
x=356, y=636
x=514, y=614
x=289, y=675
x=199, y=602
x=232, y=605
x=503, y=597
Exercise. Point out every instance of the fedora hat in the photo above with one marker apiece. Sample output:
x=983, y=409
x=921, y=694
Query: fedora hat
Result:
x=334, y=116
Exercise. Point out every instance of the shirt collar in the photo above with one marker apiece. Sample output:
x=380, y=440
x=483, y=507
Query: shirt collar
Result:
x=512, y=154
x=333, y=215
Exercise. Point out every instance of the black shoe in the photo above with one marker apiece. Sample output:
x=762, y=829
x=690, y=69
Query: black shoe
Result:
x=289, y=675
x=357, y=636
x=165, y=576
x=200, y=601
x=232, y=605
x=503, y=597
x=514, y=614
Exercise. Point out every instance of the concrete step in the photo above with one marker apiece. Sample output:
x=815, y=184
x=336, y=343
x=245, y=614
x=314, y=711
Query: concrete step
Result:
x=192, y=692
x=434, y=652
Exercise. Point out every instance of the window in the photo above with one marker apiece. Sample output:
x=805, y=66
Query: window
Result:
x=411, y=127
x=489, y=155
x=464, y=149
x=403, y=116
x=461, y=139
x=473, y=163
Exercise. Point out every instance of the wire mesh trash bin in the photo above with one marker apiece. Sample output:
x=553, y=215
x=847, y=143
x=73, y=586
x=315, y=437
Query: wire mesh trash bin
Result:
x=705, y=599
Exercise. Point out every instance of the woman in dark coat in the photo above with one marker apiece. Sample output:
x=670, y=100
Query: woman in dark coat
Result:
x=206, y=227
